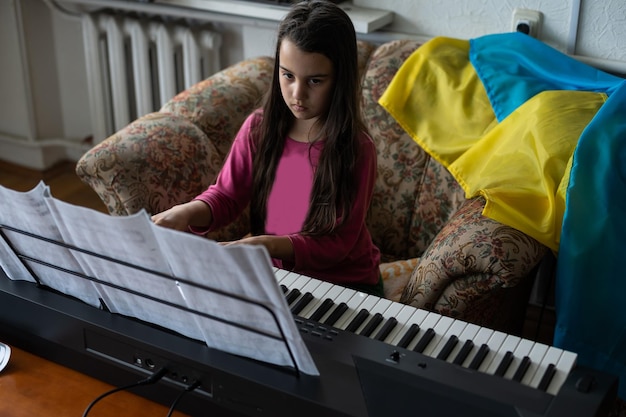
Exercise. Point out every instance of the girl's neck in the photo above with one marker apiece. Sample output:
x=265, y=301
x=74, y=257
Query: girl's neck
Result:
x=306, y=131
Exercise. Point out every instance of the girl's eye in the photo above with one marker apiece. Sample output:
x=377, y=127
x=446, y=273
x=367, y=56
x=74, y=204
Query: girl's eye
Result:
x=315, y=81
x=287, y=75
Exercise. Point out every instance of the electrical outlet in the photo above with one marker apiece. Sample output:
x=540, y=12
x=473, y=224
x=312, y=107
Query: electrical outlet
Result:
x=527, y=21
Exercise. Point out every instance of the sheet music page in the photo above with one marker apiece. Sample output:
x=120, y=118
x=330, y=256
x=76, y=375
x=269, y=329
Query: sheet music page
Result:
x=242, y=270
x=28, y=211
x=129, y=239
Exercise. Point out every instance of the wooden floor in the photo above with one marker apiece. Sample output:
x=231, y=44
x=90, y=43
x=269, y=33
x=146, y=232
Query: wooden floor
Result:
x=65, y=185
x=63, y=181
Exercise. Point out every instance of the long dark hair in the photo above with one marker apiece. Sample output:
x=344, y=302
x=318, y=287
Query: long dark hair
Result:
x=317, y=27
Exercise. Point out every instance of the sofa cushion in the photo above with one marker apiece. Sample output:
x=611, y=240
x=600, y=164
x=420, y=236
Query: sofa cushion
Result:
x=414, y=195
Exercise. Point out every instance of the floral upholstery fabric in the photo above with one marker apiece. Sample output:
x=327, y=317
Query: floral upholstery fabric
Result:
x=439, y=252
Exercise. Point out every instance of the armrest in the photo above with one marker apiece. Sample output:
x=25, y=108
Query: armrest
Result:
x=476, y=269
x=170, y=156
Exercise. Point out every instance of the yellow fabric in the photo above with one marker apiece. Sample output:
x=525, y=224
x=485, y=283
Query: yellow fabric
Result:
x=520, y=165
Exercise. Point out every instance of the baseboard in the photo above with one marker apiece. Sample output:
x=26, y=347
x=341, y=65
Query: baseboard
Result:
x=43, y=154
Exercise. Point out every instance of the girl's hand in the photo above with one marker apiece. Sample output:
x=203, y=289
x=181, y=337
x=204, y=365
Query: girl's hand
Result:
x=279, y=247
x=194, y=213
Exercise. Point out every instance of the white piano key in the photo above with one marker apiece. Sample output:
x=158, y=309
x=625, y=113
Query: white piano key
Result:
x=494, y=343
x=440, y=329
x=563, y=368
x=345, y=295
x=536, y=356
x=354, y=304
x=368, y=303
x=508, y=345
x=522, y=349
x=552, y=356
x=288, y=279
x=381, y=304
x=455, y=329
x=280, y=274
x=482, y=337
x=320, y=293
x=469, y=332
x=407, y=316
x=429, y=322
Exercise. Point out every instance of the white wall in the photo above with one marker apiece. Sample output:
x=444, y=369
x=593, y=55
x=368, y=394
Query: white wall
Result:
x=44, y=108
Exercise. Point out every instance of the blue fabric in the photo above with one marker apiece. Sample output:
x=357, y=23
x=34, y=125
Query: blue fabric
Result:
x=591, y=281
x=514, y=67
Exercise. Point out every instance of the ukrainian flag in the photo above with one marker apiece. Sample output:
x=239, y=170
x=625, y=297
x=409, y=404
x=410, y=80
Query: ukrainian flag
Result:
x=543, y=138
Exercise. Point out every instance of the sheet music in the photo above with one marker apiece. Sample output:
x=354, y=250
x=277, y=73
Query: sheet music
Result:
x=245, y=270
x=127, y=239
x=28, y=211
x=206, y=273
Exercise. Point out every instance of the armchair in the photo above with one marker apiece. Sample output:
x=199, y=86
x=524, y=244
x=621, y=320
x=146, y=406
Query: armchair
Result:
x=438, y=251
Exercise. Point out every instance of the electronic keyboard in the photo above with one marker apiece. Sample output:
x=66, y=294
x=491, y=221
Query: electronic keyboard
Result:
x=376, y=357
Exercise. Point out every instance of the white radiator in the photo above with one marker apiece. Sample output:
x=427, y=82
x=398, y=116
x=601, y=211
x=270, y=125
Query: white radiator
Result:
x=134, y=65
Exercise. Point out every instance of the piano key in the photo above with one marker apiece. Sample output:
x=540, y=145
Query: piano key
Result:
x=409, y=335
x=482, y=337
x=301, y=303
x=424, y=340
x=371, y=325
x=463, y=353
x=357, y=321
x=551, y=357
x=354, y=301
x=322, y=309
x=536, y=356
x=390, y=320
x=292, y=295
x=468, y=334
x=522, y=350
x=340, y=309
x=376, y=313
x=387, y=327
x=563, y=369
x=504, y=364
x=319, y=294
x=427, y=324
x=410, y=325
x=407, y=317
x=454, y=330
x=479, y=357
x=360, y=301
x=494, y=343
x=547, y=376
x=521, y=369
x=445, y=352
x=508, y=345
x=440, y=329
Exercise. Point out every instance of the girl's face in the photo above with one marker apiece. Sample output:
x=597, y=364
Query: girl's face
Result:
x=306, y=81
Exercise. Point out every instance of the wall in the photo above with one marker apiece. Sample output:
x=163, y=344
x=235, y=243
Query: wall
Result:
x=44, y=109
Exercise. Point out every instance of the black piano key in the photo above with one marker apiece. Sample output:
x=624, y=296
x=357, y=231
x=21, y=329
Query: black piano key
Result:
x=547, y=377
x=292, y=295
x=384, y=331
x=504, y=365
x=465, y=350
x=410, y=334
x=284, y=288
x=521, y=369
x=372, y=325
x=424, y=341
x=357, y=321
x=336, y=314
x=302, y=302
x=322, y=309
x=480, y=357
x=447, y=348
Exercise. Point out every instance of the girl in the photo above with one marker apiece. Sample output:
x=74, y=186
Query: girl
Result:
x=303, y=162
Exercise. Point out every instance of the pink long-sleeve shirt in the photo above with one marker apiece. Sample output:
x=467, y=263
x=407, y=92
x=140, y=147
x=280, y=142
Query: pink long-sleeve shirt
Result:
x=347, y=256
